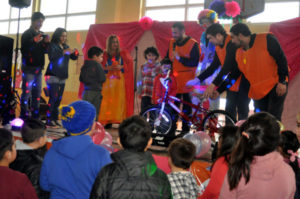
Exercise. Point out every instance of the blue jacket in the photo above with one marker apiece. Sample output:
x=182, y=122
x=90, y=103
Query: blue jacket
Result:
x=71, y=166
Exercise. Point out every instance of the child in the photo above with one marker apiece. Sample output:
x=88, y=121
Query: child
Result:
x=72, y=163
x=159, y=89
x=134, y=173
x=92, y=76
x=227, y=141
x=149, y=71
x=288, y=148
x=181, y=153
x=13, y=184
x=30, y=153
x=256, y=169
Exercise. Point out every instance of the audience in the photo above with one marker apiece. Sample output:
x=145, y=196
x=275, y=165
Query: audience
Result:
x=181, y=154
x=133, y=174
x=256, y=169
x=30, y=153
x=72, y=163
x=13, y=184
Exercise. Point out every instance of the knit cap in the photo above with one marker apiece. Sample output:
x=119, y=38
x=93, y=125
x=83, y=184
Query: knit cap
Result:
x=78, y=117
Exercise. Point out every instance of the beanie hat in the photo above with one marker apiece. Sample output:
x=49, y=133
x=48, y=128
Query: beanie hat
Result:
x=208, y=14
x=78, y=117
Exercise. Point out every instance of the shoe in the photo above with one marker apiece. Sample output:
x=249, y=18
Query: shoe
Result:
x=51, y=124
x=57, y=123
x=108, y=126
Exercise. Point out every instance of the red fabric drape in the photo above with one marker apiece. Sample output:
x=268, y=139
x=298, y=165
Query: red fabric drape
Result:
x=287, y=33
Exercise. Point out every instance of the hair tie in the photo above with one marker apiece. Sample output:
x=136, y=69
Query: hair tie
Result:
x=293, y=155
x=245, y=134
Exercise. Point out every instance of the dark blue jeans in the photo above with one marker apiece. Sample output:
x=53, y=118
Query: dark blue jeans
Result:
x=31, y=89
x=56, y=91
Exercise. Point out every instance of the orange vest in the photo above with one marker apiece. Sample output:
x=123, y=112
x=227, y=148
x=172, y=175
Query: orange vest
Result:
x=221, y=52
x=182, y=73
x=259, y=67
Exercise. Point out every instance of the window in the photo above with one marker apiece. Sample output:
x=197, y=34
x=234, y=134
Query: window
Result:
x=69, y=14
x=277, y=11
x=9, y=18
x=173, y=10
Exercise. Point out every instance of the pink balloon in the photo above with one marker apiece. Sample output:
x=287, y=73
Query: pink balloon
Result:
x=201, y=140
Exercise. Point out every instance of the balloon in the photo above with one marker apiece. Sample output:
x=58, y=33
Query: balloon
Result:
x=239, y=123
x=146, y=23
x=201, y=140
x=100, y=136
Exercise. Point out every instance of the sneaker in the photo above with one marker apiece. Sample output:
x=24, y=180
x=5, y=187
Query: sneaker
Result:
x=51, y=124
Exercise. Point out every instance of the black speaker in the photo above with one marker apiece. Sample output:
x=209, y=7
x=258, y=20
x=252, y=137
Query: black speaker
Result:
x=6, y=52
x=20, y=3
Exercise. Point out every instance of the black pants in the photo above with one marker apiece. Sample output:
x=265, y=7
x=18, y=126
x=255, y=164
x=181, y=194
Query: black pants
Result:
x=271, y=103
x=145, y=103
x=185, y=109
x=237, y=103
x=55, y=94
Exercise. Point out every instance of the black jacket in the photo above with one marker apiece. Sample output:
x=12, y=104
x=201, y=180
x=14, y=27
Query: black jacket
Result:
x=33, y=54
x=30, y=162
x=132, y=175
x=92, y=75
x=59, y=62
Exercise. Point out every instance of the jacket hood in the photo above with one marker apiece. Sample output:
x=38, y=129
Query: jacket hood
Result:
x=72, y=146
x=265, y=167
x=132, y=162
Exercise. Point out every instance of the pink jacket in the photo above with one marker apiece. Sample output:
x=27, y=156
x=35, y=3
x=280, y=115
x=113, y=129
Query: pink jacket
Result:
x=270, y=177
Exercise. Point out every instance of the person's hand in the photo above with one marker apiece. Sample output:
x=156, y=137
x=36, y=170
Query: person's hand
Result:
x=280, y=89
x=209, y=90
x=177, y=56
x=68, y=51
x=193, y=82
x=215, y=94
x=38, y=38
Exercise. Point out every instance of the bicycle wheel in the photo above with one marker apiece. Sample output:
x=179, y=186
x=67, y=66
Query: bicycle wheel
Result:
x=214, y=120
x=167, y=125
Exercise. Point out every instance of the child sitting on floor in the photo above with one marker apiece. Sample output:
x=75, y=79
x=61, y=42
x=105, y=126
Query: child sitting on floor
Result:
x=181, y=154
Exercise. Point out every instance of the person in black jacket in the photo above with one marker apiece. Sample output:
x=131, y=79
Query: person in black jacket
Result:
x=92, y=76
x=57, y=72
x=34, y=44
x=30, y=153
x=133, y=174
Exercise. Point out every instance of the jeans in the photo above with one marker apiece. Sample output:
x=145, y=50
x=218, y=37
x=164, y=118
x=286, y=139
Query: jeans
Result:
x=56, y=88
x=271, y=103
x=31, y=89
x=95, y=98
x=145, y=103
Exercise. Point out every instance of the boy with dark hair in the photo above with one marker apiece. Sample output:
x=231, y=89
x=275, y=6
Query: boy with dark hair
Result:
x=149, y=70
x=13, y=184
x=134, y=173
x=92, y=76
x=30, y=153
x=73, y=162
x=181, y=154
x=34, y=45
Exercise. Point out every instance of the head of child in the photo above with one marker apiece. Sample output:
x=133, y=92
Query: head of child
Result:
x=227, y=141
x=8, y=151
x=95, y=53
x=288, y=147
x=135, y=134
x=166, y=65
x=78, y=118
x=181, y=153
x=260, y=135
x=34, y=133
x=151, y=55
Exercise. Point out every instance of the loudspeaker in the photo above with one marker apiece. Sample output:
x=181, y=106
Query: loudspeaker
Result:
x=6, y=52
x=20, y=3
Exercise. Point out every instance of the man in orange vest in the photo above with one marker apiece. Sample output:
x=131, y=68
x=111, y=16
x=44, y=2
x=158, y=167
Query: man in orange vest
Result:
x=263, y=63
x=184, y=53
x=237, y=96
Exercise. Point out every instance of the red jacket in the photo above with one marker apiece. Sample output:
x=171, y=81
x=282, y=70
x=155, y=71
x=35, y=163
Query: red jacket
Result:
x=159, y=90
